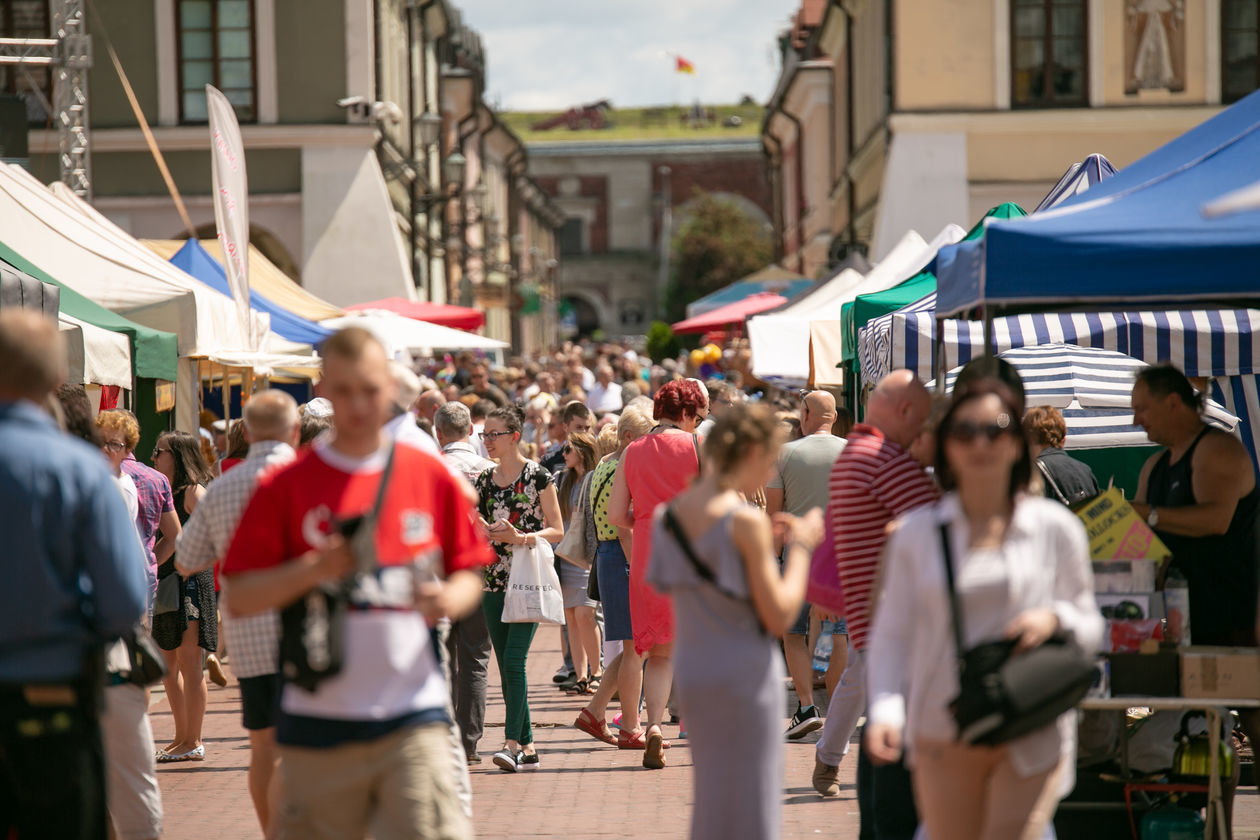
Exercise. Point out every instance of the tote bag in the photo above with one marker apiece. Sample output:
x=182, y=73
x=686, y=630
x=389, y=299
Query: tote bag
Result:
x=572, y=547
x=533, y=588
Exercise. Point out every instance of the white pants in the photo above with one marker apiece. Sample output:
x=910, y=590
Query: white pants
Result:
x=132, y=795
x=848, y=702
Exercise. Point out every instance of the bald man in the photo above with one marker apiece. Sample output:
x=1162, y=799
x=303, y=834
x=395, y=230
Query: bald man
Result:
x=874, y=481
x=800, y=484
x=272, y=427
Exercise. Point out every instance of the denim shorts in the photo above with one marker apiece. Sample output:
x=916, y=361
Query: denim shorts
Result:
x=801, y=627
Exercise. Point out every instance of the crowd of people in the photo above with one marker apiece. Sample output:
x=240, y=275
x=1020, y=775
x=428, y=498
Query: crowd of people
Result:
x=357, y=552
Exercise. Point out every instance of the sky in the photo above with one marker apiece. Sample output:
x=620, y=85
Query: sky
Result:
x=552, y=54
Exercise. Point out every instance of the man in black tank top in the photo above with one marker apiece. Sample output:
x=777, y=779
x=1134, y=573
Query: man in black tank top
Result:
x=1200, y=496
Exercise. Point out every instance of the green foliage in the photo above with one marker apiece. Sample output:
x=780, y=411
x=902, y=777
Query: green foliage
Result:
x=717, y=245
x=661, y=342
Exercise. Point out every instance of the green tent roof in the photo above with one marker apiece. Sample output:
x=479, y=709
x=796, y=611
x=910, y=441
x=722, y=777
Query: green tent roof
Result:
x=866, y=308
x=153, y=352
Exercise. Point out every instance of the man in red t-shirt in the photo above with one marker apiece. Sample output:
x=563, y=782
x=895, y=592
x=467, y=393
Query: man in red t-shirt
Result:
x=369, y=745
x=874, y=481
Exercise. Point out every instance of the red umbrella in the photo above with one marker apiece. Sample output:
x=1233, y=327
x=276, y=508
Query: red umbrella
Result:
x=459, y=317
x=732, y=313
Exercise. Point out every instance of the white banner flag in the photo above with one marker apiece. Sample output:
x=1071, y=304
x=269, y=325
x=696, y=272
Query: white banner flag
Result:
x=231, y=205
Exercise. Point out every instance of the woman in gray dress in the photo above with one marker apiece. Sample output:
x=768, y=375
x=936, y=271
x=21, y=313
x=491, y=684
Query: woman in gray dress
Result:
x=579, y=609
x=713, y=553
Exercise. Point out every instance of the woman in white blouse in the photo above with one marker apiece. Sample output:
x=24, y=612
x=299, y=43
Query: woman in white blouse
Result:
x=1022, y=569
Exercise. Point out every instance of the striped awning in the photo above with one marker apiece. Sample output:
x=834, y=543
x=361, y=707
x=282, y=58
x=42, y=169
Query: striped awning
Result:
x=1091, y=387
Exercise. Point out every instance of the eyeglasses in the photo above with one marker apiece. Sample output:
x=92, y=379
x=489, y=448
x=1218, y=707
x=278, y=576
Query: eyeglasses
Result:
x=113, y=446
x=494, y=435
x=965, y=431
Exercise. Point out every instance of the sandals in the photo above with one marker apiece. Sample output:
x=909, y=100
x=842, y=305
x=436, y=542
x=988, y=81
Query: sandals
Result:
x=654, y=752
x=635, y=740
x=195, y=754
x=586, y=686
x=594, y=727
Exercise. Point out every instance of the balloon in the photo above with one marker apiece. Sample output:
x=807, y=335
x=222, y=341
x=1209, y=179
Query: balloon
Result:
x=697, y=357
x=712, y=353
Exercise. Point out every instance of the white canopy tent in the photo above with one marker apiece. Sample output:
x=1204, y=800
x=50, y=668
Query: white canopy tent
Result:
x=96, y=356
x=780, y=340
x=400, y=334
x=826, y=333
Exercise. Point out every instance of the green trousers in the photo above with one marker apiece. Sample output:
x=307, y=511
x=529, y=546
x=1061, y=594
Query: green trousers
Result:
x=511, y=646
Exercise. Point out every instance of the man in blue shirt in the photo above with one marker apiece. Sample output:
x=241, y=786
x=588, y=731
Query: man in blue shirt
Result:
x=74, y=580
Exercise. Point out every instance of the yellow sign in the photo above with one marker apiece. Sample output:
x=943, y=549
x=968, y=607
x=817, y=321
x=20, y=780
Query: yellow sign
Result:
x=165, y=396
x=1116, y=532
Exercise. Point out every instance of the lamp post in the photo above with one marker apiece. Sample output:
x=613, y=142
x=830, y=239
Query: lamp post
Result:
x=667, y=221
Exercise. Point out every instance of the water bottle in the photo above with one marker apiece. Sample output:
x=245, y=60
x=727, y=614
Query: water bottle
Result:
x=822, y=650
x=1177, y=607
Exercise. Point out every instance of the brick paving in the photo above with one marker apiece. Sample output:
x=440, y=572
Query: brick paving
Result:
x=584, y=789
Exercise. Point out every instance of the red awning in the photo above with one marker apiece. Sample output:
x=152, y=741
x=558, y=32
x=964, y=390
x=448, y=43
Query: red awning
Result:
x=732, y=313
x=459, y=317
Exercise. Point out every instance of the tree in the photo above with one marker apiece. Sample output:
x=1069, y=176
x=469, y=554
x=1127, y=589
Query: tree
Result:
x=717, y=245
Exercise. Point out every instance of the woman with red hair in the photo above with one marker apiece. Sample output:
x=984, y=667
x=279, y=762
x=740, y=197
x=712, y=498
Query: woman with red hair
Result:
x=653, y=470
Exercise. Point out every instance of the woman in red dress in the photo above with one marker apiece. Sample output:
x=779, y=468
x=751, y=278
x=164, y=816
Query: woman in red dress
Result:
x=653, y=470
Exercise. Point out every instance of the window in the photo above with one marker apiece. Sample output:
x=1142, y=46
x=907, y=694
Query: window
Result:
x=1240, y=58
x=26, y=19
x=571, y=235
x=216, y=47
x=1048, y=49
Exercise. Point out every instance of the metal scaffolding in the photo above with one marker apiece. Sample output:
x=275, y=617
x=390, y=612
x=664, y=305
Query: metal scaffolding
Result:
x=69, y=54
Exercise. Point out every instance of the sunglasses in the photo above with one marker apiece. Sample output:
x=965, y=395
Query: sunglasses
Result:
x=566, y=449
x=157, y=452
x=965, y=431
x=494, y=435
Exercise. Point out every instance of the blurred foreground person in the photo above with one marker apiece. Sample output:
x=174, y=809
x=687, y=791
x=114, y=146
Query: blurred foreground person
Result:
x=713, y=553
x=1022, y=572
x=71, y=552
x=365, y=746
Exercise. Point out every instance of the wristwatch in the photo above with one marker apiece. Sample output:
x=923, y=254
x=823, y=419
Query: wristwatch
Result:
x=1152, y=518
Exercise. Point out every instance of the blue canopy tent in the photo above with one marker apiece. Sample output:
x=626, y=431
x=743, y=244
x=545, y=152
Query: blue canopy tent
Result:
x=195, y=260
x=1139, y=237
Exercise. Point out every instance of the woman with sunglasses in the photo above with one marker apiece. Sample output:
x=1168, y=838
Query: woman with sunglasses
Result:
x=518, y=504
x=1022, y=572
x=194, y=625
x=579, y=610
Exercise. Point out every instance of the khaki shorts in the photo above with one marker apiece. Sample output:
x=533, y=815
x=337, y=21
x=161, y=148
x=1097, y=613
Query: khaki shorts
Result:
x=401, y=785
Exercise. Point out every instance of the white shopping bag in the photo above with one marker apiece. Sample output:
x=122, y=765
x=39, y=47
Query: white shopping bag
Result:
x=533, y=588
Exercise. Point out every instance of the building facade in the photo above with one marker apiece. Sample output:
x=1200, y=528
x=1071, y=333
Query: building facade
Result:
x=621, y=202
x=939, y=110
x=350, y=121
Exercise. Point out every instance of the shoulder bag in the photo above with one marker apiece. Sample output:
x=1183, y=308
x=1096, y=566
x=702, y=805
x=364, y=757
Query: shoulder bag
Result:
x=312, y=628
x=572, y=546
x=1003, y=695
x=592, y=582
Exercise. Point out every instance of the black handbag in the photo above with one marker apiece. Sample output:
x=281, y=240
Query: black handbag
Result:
x=148, y=666
x=312, y=628
x=1003, y=695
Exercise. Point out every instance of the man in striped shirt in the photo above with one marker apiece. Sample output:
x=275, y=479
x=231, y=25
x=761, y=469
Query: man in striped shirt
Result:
x=874, y=481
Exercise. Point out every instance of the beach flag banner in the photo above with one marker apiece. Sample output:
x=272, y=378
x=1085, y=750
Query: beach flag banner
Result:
x=682, y=65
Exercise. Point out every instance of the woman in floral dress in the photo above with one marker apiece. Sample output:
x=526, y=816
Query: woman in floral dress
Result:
x=518, y=504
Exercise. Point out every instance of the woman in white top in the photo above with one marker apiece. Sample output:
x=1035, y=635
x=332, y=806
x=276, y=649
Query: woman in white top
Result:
x=1022, y=571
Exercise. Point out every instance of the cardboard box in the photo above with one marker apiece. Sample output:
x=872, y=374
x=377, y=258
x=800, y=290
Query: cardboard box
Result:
x=1124, y=575
x=1145, y=674
x=1221, y=673
x=1116, y=532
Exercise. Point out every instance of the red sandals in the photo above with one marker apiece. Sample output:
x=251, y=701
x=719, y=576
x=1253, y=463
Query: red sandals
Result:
x=594, y=727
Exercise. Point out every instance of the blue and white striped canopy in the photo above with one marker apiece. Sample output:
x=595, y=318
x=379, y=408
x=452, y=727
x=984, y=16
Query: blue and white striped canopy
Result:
x=1091, y=387
x=1079, y=178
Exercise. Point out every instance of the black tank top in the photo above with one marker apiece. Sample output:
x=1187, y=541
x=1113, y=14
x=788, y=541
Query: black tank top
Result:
x=1221, y=569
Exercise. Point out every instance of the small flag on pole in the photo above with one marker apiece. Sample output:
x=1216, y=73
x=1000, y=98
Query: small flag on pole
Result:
x=682, y=65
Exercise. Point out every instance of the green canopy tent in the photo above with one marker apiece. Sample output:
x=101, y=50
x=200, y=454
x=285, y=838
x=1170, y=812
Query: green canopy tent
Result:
x=154, y=353
x=866, y=308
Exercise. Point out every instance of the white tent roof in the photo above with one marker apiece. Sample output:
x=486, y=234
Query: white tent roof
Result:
x=780, y=341
x=826, y=334
x=96, y=356
x=400, y=334
x=96, y=262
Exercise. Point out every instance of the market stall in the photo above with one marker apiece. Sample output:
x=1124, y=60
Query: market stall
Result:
x=401, y=335
x=773, y=279
x=731, y=314
x=442, y=314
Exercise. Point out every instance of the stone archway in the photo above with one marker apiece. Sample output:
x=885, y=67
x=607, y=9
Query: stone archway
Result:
x=589, y=313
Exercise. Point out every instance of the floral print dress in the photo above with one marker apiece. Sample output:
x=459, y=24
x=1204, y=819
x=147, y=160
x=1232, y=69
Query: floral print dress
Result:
x=520, y=503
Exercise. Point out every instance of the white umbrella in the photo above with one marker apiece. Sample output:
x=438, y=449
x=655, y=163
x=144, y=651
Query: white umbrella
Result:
x=400, y=334
x=1092, y=388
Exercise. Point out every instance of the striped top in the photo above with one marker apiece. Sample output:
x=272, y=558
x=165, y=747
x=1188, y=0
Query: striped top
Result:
x=872, y=483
